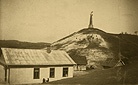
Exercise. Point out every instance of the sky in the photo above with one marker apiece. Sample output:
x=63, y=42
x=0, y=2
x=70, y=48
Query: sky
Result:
x=51, y=20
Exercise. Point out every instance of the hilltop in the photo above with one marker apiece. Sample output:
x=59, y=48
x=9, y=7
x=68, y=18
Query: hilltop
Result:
x=97, y=46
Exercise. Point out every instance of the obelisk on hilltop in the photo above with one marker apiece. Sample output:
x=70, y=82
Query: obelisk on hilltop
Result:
x=91, y=24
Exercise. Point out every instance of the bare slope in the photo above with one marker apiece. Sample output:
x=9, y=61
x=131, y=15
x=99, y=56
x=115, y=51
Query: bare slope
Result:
x=96, y=45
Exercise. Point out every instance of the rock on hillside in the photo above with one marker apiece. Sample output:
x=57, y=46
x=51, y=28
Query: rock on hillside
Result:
x=96, y=45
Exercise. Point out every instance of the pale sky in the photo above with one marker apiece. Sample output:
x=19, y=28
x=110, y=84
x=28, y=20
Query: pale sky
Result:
x=50, y=20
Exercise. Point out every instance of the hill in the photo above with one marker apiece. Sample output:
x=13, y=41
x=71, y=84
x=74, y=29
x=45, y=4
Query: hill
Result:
x=24, y=45
x=98, y=46
x=129, y=46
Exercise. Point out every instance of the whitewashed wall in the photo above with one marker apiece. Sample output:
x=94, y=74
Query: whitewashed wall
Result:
x=79, y=68
x=2, y=74
x=25, y=75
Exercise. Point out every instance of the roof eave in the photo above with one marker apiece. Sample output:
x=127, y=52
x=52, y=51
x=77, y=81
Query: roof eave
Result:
x=32, y=66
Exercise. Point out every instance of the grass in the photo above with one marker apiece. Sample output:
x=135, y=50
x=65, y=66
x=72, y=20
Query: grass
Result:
x=120, y=75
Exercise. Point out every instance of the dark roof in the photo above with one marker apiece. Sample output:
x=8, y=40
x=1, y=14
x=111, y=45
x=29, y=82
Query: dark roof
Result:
x=14, y=56
x=110, y=62
x=79, y=59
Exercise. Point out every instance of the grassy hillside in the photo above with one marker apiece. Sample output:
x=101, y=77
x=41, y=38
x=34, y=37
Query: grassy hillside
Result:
x=129, y=45
x=126, y=75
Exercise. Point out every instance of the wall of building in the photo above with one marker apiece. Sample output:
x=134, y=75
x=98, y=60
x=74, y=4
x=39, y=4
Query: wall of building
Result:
x=80, y=67
x=25, y=75
x=2, y=74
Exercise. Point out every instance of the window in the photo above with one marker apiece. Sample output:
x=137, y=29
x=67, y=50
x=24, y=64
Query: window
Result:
x=52, y=72
x=65, y=72
x=36, y=73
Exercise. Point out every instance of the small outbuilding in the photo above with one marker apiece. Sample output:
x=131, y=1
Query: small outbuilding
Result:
x=114, y=62
x=80, y=63
x=24, y=66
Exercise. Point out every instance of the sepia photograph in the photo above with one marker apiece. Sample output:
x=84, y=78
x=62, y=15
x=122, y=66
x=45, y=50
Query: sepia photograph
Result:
x=69, y=42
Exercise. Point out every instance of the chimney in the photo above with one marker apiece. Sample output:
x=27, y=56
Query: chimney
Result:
x=48, y=49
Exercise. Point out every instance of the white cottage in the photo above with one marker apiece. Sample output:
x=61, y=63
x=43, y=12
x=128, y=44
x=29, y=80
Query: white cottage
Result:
x=24, y=66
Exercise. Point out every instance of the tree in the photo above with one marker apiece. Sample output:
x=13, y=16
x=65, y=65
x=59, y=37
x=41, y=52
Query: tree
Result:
x=126, y=33
x=136, y=32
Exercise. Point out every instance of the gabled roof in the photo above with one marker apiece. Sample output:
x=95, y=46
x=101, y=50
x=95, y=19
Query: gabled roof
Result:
x=14, y=56
x=110, y=62
x=80, y=60
x=113, y=62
